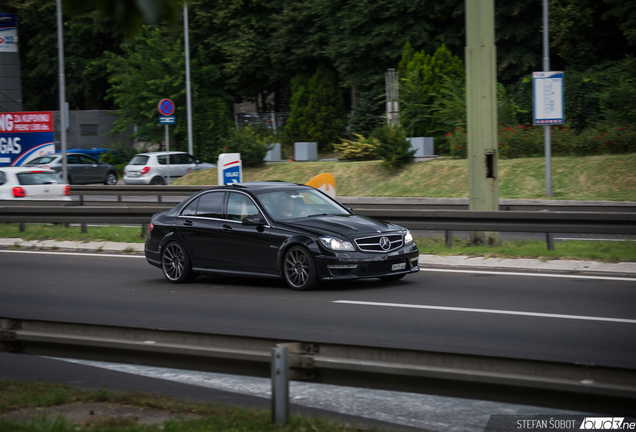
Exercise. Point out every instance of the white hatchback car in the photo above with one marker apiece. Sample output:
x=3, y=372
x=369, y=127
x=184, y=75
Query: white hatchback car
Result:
x=32, y=184
x=152, y=168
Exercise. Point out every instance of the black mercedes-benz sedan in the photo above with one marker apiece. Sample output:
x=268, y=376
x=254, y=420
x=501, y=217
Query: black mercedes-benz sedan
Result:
x=276, y=230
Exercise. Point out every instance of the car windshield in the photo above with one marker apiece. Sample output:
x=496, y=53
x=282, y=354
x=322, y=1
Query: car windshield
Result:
x=37, y=178
x=41, y=160
x=300, y=203
x=139, y=160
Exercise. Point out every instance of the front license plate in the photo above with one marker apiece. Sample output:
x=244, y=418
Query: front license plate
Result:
x=400, y=266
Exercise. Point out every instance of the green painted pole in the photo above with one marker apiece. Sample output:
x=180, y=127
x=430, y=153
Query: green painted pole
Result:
x=481, y=105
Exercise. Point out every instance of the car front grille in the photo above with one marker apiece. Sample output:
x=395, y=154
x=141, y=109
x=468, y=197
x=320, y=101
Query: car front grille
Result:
x=374, y=244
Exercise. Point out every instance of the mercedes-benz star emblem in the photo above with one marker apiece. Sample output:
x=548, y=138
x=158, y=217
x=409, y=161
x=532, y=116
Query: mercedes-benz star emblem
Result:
x=385, y=244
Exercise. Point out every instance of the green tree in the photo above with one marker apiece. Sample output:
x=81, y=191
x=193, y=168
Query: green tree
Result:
x=152, y=68
x=424, y=76
x=317, y=109
x=86, y=37
x=128, y=15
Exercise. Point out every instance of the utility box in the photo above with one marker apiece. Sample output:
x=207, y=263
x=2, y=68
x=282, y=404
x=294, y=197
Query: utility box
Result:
x=305, y=151
x=273, y=155
x=423, y=146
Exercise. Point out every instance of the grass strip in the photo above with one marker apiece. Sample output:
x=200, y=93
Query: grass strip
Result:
x=606, y=177
x=603, y=251
x=109, y=233
x=15, y=395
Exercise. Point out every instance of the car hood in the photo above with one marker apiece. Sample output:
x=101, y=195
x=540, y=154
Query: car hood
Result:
x=342, y=225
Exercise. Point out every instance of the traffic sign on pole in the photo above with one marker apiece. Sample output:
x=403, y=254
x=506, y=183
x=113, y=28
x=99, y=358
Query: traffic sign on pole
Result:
x=166, y=107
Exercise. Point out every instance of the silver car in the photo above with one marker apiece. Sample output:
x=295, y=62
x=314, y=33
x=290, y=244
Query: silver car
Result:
x=82, y=169
x=152, y=168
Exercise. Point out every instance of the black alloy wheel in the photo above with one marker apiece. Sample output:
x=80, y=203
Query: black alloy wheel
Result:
x=111, y=178
x=392, y=278
x=175, y=264
x=299, y=269
x=156, y=181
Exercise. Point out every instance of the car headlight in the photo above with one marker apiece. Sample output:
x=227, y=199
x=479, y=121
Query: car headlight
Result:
x=408, y=237
x=336, y=244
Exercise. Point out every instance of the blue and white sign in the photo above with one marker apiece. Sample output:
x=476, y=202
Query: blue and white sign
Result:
x=8, y=33
x=25, y=136
x=167, y=120
x=230, y=168
x=547, y=89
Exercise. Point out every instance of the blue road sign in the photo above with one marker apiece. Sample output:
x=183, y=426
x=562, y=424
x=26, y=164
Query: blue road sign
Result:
x=166, y=107
x=167, y=120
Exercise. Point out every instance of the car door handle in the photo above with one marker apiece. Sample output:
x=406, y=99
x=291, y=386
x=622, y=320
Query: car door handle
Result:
x=226, y=228
x=187, y=222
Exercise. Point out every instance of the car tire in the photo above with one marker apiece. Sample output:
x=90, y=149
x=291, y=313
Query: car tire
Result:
x=111, y=178
x=392, y=278
x=157, y=181
x=299, y=269
x=175, y=263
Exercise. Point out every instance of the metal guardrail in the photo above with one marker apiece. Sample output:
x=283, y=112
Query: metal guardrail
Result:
x=451, y=220
x=581, y=387
x=358, y=203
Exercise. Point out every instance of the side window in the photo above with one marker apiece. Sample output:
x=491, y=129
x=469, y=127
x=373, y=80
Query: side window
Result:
x=186, y=159
x=174, y=160
x=239, y=206
x=3, y=178
x=210, y=204
x=72, y=160
x=161, y=159
x=191, y=209
x=88, y=161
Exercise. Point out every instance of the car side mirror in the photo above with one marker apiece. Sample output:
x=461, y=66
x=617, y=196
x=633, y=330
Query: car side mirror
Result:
x=197, y=161
x=253, y=220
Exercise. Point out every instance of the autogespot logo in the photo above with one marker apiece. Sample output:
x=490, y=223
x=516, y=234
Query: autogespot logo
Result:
x=607, y=423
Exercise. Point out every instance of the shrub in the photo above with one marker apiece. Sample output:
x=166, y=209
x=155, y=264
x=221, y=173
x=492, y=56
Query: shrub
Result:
x=252, y=144
x=359, y=149
x=393, y=147
x=457, y=142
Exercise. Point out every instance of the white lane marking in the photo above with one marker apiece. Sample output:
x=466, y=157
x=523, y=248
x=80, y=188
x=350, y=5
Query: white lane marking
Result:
x=74, y=254
x=489, y=311
x=493, y=272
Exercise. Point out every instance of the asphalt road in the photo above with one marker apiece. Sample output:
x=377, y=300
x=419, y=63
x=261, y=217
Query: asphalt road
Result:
x=546, y=318
x=552, y=318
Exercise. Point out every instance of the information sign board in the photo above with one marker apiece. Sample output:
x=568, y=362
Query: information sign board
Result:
x=24, y=136
x=8, y=32
x=547, y=89
x=167, y=120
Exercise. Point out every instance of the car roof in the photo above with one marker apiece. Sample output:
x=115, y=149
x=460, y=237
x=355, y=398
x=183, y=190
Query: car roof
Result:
x=258, y=186
x=159, y=153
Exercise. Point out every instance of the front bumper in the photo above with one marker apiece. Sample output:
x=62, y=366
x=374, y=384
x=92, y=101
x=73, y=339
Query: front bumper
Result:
x=358, y=265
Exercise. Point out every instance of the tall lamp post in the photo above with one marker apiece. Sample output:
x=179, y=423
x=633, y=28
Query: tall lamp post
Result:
x=62, y=85
x=188, y=91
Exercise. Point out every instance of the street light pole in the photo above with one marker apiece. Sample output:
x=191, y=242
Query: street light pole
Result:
x=188, y=90
x=547, y=128
x=62, y=85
